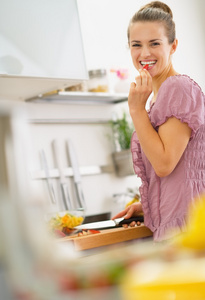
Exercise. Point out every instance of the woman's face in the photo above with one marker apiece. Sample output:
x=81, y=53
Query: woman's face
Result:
x=149, y=45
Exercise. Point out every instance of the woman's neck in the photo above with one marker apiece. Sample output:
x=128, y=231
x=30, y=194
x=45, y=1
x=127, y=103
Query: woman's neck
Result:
x=159, y=79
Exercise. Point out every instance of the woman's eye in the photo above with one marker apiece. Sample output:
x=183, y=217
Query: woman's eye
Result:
x=136, y=45
x=155, y=44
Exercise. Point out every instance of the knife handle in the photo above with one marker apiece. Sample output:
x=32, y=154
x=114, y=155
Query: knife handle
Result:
x=128, y=221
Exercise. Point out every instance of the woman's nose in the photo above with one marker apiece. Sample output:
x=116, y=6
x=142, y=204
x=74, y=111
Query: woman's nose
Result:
x=145, y=52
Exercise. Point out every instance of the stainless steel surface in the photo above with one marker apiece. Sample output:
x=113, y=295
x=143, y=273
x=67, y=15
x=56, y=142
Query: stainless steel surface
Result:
x=48, y=177
x=76, y=174
x=63, y=183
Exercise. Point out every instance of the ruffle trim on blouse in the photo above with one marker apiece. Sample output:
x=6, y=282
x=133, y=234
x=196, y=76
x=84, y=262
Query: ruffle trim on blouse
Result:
x=140, y=172
x=182, y=119
x=190, y=79
x=171, y=229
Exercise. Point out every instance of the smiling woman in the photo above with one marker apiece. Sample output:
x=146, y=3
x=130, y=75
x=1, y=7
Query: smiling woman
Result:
x=168, y=145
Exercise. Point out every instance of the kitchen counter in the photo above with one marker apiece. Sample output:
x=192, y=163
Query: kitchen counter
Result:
x=107, y=237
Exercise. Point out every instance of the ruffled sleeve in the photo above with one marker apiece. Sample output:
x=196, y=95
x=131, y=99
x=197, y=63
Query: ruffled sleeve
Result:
x=180, y=97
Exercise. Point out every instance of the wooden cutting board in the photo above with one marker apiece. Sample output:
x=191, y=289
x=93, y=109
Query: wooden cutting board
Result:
x=108, y=237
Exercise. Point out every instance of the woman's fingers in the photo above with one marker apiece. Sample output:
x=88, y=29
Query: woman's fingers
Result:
x=143, y=82
x=146, y=79
x=138, y=80
x=143, y=76
x=131, y=211
x=120, y=214
x=132, y=224
x=142, y=79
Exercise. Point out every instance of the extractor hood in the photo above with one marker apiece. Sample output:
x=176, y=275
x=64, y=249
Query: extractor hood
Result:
x=41, y=47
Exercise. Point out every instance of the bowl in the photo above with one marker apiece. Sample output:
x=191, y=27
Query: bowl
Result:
x=64, y=221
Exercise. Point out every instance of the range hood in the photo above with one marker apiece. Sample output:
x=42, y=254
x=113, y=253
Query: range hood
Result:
x=24, y=88
x=41, y=47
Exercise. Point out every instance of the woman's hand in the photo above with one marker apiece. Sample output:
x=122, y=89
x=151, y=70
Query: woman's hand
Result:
x=140, y=91
x=131, y=211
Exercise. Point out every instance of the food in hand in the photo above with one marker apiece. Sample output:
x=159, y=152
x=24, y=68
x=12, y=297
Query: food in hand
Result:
x=146, y=67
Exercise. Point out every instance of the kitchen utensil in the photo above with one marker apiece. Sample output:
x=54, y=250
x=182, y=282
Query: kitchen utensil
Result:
x=63, y=183
x=76, y=174
x=110, y=223
x=47, y=175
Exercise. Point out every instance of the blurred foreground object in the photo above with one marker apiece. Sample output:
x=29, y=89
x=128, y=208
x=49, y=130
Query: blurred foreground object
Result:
x=181, y=279
x=33, y=266
x=194, y=238
x=175, y=270
x=25, y=248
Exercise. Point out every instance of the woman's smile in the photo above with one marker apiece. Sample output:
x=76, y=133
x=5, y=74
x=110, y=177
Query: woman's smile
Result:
x=150, y=63
x=149, y=45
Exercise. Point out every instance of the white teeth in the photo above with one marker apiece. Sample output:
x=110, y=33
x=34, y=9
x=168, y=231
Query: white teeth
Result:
x=152, y=62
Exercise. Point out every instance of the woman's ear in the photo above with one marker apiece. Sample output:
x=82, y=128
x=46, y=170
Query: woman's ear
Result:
x=174, y=46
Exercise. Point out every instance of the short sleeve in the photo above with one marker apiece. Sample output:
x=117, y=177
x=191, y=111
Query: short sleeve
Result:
x=179, y=97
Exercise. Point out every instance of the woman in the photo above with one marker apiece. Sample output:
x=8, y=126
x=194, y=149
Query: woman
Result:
x=168, y=145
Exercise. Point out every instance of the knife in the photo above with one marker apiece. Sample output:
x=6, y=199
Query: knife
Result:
x=47, y=175
x=110, y=223
x=63, y=183
x=76, y=174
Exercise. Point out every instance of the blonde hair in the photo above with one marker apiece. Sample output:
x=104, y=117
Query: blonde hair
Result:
x=155, y=11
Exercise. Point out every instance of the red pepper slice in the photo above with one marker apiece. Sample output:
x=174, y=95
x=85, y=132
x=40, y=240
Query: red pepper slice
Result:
x=146, y=67
x=93, y=231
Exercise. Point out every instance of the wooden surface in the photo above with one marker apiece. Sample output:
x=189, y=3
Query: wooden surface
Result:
x=107, y=237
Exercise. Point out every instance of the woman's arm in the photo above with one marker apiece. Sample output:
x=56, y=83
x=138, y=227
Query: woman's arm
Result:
x=163, y=148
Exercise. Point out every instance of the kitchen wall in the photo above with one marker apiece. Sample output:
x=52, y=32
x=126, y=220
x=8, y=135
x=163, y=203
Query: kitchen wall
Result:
x=104, y=27
x=93, y=148
x=104, y=24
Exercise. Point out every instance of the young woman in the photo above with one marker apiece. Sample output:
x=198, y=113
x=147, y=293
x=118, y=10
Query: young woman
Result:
x=168, y=145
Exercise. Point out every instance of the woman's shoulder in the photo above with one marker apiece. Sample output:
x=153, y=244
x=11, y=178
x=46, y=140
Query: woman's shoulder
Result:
x=181, y=97
x=181, y=81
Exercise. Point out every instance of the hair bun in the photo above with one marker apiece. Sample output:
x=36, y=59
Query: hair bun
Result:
x=160, y=5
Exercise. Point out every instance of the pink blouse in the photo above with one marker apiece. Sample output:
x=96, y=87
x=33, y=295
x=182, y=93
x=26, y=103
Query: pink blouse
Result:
x=165, y=201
